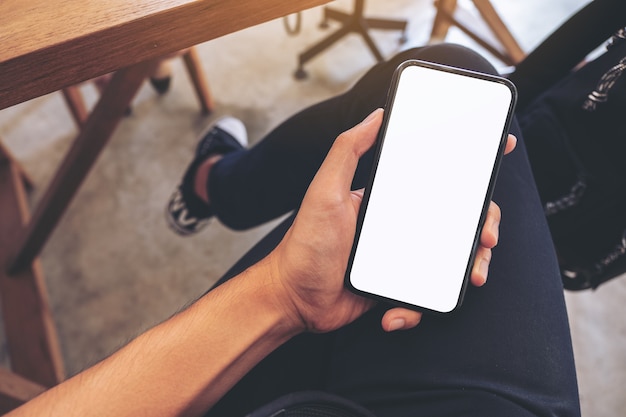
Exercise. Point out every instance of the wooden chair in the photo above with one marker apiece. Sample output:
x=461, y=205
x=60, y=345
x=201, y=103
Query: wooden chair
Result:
x=491, y=33
x=16, y=390
x=29, y=330
x=159, y=79
x=354, y=22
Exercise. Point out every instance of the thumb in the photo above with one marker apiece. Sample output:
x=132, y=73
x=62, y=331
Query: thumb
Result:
x=340, y=164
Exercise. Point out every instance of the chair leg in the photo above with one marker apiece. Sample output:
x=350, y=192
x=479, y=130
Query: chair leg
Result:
x=162, y=77
x=354, y=22
x=337, y=15
x=495, y=37
x=318, y=48
x=29, y=327
x=7, y=157
x=370, y=43
x=15, y=390
x=499, y=29
x=160, y=80
x=77, y=162
x=75, y=102
x=442, y=23
x=385, y=24
x=102, y=82
x=201, y=86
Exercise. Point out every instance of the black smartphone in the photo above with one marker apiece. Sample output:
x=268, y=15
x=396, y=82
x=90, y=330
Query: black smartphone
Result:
x=436, y=160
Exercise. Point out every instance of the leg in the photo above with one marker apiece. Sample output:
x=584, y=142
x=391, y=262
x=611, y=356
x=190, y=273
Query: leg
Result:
x=297, y=147
x=200, y=83
x=75, y=102
x=506, y=352
x=442, y=23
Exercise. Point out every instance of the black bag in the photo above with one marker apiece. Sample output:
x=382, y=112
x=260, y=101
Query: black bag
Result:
x=575, y=133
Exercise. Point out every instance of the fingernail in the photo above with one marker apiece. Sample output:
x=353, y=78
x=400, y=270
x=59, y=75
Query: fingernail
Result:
x=396, y=324
x=370, y=117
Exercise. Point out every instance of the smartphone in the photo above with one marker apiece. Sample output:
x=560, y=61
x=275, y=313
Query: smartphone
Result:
x=436, y=160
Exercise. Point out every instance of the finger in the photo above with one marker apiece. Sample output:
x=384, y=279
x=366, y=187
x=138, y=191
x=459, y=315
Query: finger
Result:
x=481, y=267
x=338, y=168
x=357, y=195
x=400, y=319
x=491, y=228
x=511, y=142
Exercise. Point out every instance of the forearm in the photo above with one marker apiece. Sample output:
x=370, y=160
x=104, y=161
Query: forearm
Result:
x=184, y=365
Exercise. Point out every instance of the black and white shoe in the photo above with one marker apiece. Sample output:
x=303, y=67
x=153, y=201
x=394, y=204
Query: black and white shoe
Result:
x=186, y=213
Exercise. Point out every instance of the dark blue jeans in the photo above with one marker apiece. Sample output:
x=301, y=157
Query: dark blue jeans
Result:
x=506, y=352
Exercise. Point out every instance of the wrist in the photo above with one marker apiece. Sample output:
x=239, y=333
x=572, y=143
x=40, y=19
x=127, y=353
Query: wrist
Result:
x=277, y=295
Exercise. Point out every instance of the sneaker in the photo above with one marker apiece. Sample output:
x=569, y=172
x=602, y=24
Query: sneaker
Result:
x=186, y=213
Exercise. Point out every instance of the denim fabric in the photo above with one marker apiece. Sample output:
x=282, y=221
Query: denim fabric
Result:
x=507, y=351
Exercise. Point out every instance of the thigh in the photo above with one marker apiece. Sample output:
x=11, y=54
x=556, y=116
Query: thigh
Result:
x=508, y=348
x=271, y=178
x=508, y=344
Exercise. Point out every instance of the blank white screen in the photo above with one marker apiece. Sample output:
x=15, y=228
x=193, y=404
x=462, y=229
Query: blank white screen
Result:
x=433, y=174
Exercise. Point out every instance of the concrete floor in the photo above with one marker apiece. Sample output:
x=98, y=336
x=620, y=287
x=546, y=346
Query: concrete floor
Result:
x=114, y=268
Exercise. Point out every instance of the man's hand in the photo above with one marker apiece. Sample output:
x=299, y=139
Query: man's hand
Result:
x=310, y=262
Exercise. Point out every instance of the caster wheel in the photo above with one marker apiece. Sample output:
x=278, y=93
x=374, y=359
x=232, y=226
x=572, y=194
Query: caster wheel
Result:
x=300, y=74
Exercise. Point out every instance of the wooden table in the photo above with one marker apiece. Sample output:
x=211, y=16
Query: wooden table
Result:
x=49, y=45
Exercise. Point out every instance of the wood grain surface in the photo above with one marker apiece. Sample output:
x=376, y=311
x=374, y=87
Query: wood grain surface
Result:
x=50, y=45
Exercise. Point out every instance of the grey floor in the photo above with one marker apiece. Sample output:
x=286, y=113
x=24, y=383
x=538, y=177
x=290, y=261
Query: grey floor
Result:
x=113, y=268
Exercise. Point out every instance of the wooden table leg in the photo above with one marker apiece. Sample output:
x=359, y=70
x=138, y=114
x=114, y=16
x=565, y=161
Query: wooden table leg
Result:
x=29, y=328
x=86, y=148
